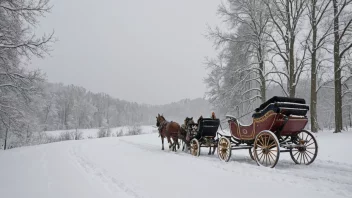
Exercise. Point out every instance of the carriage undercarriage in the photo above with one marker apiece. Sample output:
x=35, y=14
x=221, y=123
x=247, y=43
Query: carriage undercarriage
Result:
x=268, y=148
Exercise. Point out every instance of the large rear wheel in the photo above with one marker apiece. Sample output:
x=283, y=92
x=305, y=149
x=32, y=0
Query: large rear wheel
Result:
x=266, y=149
x=305, y=148
x=224, y=149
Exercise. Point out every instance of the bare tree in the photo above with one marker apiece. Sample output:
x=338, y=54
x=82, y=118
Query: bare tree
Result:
x=249, y=22
x=342, y=45
x=319, y=20
x=286, y=16
x=18, y=43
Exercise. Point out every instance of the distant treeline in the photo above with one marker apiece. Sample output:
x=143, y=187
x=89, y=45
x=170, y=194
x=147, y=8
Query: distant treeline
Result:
x=68, y=107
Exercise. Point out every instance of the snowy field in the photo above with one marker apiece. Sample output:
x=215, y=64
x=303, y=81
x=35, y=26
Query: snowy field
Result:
x=92, y=133
x=136, y=167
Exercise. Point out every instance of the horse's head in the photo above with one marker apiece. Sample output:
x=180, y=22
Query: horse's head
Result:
x=159, y=120
x=189, y=121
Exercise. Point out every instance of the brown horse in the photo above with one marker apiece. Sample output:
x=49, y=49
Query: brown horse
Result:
x=168, y=129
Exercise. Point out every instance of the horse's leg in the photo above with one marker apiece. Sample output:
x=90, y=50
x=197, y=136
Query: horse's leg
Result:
x=162, y=142
x=176, y=144
x=170, y=142
x=214, y=148
x=209, y=153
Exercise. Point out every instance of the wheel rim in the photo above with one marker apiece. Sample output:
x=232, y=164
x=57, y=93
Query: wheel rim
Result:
x=195, y=147
x=307, y=150
x=266, y=149
x=224, y=149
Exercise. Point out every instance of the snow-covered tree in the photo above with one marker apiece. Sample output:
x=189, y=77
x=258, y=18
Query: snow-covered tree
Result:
x=18, y=44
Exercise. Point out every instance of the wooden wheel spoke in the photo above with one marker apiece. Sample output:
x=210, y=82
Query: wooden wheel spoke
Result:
x=309, y=156
x=261, y=143
x=296, y=152
x=267, y=140
x=301, y=158
x=270, y=154
x=261, y=156
x=309, y=152
x=308, y=141
x=273, y=154
x=299, y=154
x=304, y=159
x=306, y=156
x=307, y=138
x=309, y=144
x=273, y=144
x=264, y=158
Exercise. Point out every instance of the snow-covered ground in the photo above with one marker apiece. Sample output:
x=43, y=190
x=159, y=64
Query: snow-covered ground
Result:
x=92, y=133
x=135, y=166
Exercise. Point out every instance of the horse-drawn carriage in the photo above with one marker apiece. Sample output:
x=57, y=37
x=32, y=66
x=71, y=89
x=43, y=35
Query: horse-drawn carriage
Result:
x=277, y=127
x=201, y=134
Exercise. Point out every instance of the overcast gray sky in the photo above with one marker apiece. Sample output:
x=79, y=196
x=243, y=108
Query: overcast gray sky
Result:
x=149, y=51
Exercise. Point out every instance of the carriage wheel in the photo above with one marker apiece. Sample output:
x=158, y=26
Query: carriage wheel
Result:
x=307, y=149
x=224, y=149
x=251, y=153
x=266, y=149
x=194, y=147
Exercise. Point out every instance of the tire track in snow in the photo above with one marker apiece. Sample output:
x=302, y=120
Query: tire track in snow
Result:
x=113, y=185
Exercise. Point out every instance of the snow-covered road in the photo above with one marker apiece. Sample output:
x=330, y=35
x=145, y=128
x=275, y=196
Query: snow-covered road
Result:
x=135, y=166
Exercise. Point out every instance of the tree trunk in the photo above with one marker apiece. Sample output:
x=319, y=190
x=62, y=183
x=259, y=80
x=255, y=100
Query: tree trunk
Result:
x=349, y=115
x=261, y=74
x=290, y=47
x=313, y=91
x=6, y=136
x=5, y=142
x=292, y=68
x=337, y=71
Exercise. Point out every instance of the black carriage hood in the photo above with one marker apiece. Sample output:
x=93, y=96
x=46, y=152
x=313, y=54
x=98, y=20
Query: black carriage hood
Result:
x=280, y=99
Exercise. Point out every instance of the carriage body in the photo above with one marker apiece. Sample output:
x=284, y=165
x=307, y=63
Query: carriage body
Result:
x=283, y=116
x=277, y=126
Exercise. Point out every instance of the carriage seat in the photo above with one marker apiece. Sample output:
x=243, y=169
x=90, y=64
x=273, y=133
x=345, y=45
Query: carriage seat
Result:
x=285, y=105
x=208, y=127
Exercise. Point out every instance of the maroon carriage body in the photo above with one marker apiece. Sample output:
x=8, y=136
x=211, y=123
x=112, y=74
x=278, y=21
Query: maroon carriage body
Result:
x=285, y=118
